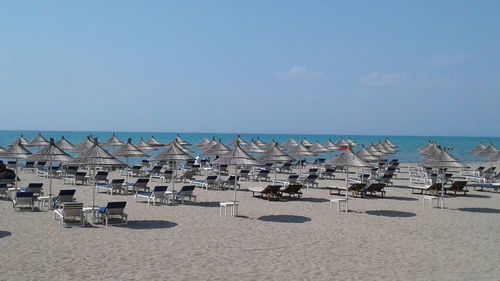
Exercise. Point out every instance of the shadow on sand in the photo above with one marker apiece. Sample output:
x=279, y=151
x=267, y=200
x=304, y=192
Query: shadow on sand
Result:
x=4, y=234
x=391, y=213
x=478, y=196
x=207, y=204
x=400, y=198
x=312, y=200
x=285, y=219
x=480, y=210
x=149, y=224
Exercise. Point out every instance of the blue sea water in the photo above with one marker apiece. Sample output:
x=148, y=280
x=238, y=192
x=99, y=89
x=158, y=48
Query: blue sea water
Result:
x=408, y=145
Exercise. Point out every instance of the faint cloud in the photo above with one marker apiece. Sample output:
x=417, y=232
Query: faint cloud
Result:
x=298, y=73
x=382, y=79
x=448, y=59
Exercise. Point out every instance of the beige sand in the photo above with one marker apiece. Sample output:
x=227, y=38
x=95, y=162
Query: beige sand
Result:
x=382, y=239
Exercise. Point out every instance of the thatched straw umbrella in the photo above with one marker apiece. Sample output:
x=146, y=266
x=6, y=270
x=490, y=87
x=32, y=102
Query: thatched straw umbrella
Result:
x=128, y=150
x=64, y=144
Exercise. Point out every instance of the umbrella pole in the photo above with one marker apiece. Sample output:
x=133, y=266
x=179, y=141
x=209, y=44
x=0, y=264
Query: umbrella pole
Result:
x=126, y=174
x=346, y=188
x=50, y=180
x=442, y=189
x=93, y=191
x=235, y=182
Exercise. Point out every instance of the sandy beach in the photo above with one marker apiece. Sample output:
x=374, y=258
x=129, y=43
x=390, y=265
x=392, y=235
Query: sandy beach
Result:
x=393, y=238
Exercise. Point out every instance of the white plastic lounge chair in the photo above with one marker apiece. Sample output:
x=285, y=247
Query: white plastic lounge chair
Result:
x=116, y=185
x=185, y=192
x=23, y=199
x=157, y=193
x=70, y=210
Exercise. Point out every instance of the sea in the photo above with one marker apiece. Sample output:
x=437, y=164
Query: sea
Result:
x=407, y=145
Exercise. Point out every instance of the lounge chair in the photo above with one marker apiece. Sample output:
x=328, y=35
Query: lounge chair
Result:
x=70, y=210
x=40, y=167
x=23, y=199
x=355, y=189
x=263, y=175
x=310, y=180
x=328, y=174
x=434, y=188
x=270, y=191
x=4, y=190
x=481, y=186
x=11, y=165
x=187, y=176
x=292, y=179
x=375, y=188
x=157, y=193
x=116, y=185
x=185, y=192
x=293, y=191
x=101, y=177
x=64, y=196
x=222, y=169
x=137, y=171
x=30, y=166
x=35, y=188
x=208, y=182
x=457, y=186
x=113, y=210
x=285, y=168
x=141, y=183
x=229, y=183
x=9, y=179
x=244, y=175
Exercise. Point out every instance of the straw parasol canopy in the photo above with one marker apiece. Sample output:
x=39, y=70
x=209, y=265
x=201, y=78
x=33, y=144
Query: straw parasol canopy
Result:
x=39, y=140
x=83, y=146
x=272, y=144
x=495, y=157
x=218, y=149
x=351, y=142
x=180, y=141
x=290, y=143
x=154, y=142
x=50, y=153
x=209, y=144
x=306, y=143
x=442, y=160
x=348, y=159
x=301, y=150
x=275, y=155
x=237, y=140
x=380, y=147
x=479, y=147
x=173, y=153
x=2, y=150
x=203, y=142
x=318, y=148
x=427, y=146
x=96, y=156
x=64, y=144
x=112, y=141
x=142, y=145
x=366, y=155
x=237, y=157
x=129, y=150
x=431, y=150
x=371, y=148
x=331, y=145
x=390, y=143
x=20, y=140
x=185, y=149
x=342, y=143
x=389, y=148
x=259, y=142
x=490, y=150
x=16, y=151
x=252, y=147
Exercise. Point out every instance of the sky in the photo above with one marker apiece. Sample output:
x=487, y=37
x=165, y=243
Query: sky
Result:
x=305, y=67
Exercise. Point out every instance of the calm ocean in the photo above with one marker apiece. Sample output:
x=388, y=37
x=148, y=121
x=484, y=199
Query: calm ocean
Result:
x=407, y=144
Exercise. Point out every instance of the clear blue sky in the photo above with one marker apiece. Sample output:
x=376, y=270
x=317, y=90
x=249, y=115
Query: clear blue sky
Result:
x=332, y=67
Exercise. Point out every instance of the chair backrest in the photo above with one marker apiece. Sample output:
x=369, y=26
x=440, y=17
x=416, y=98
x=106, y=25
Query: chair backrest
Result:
x=168, y=174
x=35, y=188
x=66, y=195
x=211, y=179
x=244, y=172
x=274, y=188
x=136, y=168
x=293, y=188
x=117, y=183
x=3, y=188
x=160, y=189
x=357, y=187
x=376, y=187
x=80, y=175
x=40, y=165
x=24, y=197
x=35, y=184
x=186, y=190
x=71, y=170
x=264, y=172
x=72, y=209
x=142, y=182
x=29, y=164
x=458, y=185
x=223, y=168
x=115, y=208
x=188, y=174
x=101, y=175
x=311, y=178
